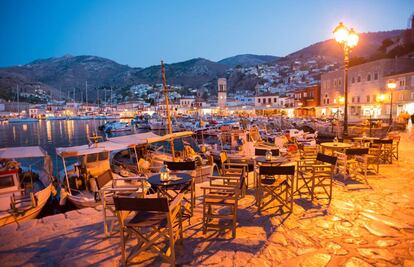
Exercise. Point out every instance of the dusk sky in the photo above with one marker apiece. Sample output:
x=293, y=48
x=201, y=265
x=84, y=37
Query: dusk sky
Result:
x=141, y=33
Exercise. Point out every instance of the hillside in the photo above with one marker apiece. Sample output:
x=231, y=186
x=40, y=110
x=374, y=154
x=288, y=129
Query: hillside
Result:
x=367, y=47
x=247, y=60
x=191, y=73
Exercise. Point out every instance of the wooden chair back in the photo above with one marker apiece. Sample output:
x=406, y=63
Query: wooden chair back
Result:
x=277, y=170
x=326, y=158
x=181, y=166
x=141, y=204
x=356, y=151
x=103, y=179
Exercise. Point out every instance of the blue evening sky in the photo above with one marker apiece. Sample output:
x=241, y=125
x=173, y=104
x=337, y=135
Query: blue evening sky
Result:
x=142, y=32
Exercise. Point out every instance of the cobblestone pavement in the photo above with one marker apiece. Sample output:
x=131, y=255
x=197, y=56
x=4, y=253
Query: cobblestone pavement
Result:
x=363, y=226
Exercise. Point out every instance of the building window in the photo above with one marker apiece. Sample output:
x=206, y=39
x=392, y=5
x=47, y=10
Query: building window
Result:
x=369, y=77
x=269, y=100
x=358, y=99
x=339, y=82
x=401, y=96
x=274, y=100
x=353, y=99
x=324, y=101
x=359, y=79
x=334, y=83
x=376, y=76
x=368, y=98
x=374, y=98
x=353, y=79
x=258, y=100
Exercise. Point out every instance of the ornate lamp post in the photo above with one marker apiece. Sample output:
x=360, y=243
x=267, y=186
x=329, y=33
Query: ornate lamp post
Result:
x=348, y=39
x=391, y=85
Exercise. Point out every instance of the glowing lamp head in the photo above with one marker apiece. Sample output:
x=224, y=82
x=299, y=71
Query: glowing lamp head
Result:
x=353, y=38
x=381, y=98
x=341, y=33
x=342, y=100
x=391, y=85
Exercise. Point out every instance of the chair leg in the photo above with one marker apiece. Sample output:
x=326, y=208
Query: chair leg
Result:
x=123, y=257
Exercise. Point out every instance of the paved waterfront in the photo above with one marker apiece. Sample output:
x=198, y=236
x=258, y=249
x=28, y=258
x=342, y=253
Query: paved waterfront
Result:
x=362, y=227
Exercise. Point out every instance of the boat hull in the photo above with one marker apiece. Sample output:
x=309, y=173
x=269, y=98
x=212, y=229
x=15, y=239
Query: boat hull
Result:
x=42, y=198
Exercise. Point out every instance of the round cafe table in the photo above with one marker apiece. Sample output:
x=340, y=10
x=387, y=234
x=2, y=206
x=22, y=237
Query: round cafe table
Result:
x=275, y=161
x=180, y=180
x=180, y=183
x=332, y=146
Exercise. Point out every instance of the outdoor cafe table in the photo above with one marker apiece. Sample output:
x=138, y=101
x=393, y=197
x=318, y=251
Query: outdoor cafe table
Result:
x=170, y=188
x=183, y=183
x=332, y=146
x=275, y=161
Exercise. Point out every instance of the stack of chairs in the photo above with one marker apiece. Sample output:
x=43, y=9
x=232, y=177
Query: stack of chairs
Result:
x=316, y=174
x=223, y=191
x=275, y=183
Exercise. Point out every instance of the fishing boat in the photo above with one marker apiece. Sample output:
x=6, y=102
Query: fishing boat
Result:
x=23, y=191
x=82, y=178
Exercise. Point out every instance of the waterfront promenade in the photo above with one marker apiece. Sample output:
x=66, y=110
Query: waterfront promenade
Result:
x=362, y=227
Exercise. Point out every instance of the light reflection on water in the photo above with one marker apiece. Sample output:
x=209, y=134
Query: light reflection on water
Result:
x=50, y=134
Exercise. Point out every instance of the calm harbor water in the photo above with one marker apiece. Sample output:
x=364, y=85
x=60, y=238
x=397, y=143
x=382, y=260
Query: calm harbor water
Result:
x=50, y=134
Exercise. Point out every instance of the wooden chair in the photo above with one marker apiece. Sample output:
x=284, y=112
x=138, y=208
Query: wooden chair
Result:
x=219, y=194
x=135, y=186
x=186, y=166
x=395, y=146
x=229, y=168
x=275, y=182
x=386, y=148
x=154, y=218
x=317, y=173
x=308, y=152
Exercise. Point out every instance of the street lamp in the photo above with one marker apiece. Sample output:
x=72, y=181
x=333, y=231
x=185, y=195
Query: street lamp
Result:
x=391, y=85
x=348, y=39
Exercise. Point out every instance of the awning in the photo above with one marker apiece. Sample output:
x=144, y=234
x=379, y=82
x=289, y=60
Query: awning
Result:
x=76, y=151
x=170, y=136
x=22, y=152
x=134, y=139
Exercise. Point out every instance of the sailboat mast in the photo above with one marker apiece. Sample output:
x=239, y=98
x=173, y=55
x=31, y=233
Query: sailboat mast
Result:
x=164, y=82
x=18, y=100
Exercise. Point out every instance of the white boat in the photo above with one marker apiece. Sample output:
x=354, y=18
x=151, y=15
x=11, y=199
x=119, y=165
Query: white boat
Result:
x=20, y=201
x=92, y=161
x=115, y=126
x=23, y=120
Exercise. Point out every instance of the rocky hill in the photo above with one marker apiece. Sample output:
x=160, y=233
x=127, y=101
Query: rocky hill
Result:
x=368, y=45
x=247, y=60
